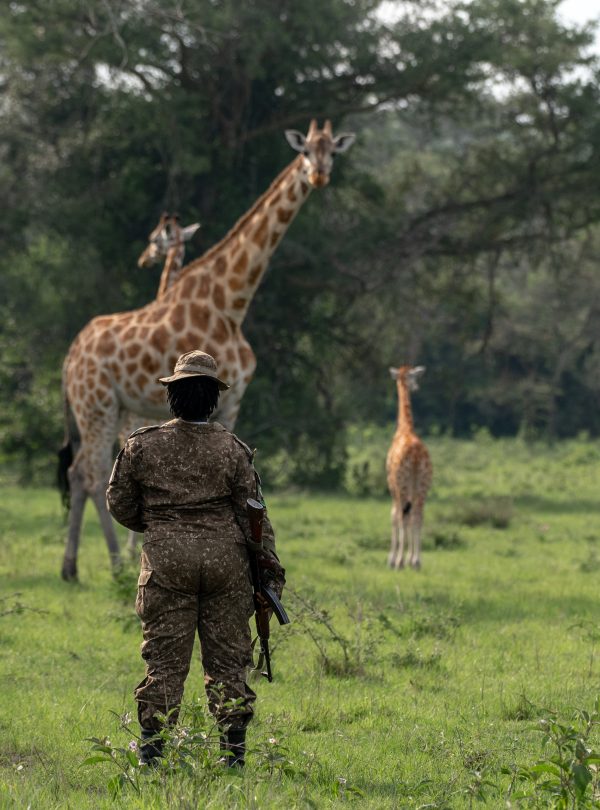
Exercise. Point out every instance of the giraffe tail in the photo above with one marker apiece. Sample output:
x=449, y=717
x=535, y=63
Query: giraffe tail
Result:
x=65, y=459
x=66, y=453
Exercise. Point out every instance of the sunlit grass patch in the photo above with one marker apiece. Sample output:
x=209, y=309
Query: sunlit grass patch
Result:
x=392, y=688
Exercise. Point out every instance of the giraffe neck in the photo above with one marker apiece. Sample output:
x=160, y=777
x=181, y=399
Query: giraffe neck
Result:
x=172, y=268
x=405, y=419
x=237, y=263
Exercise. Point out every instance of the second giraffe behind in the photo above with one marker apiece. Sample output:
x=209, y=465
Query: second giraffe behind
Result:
x=409, y=474
x=167, y=241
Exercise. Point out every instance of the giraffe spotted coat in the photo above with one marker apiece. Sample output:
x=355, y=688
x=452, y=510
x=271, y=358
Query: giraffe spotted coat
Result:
x=112, y=366
x=185, y=485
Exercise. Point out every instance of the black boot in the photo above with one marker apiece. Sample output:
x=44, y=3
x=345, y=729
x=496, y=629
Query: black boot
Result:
x=235, y=741
x=151, y=748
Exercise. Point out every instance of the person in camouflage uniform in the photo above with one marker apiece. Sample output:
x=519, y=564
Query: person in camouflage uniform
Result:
x=184, y=484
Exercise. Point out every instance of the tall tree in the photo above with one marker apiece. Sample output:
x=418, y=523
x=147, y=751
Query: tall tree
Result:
x=479, y=128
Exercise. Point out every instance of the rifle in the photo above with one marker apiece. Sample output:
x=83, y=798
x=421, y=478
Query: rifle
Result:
x=265, y=598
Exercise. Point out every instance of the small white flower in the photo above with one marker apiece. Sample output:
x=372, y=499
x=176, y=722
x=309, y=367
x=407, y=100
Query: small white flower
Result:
x=133, y=746
x=342, y=781
x=272, y=741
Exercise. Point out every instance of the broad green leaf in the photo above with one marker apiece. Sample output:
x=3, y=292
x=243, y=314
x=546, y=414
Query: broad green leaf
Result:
x=94, y=760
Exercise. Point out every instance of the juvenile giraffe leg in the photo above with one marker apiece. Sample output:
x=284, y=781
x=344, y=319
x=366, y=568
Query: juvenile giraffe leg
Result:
x=417, y=522
x=405, y=538
x=395, y=536
x=78, y=497
x=403, y=532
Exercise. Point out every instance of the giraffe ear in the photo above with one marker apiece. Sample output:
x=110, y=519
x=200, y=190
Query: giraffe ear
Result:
x=343, y=142
x=189, y=231
x=413, y=377
x=394, y=373
x=295, y=139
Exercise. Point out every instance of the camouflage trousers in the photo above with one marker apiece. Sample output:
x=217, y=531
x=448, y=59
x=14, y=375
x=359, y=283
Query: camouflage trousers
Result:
x=188, y=584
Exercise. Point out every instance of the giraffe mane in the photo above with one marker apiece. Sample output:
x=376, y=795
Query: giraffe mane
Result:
x=232, y=232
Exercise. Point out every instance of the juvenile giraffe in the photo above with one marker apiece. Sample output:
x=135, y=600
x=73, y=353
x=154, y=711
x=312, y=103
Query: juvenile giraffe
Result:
x=409, y=474
x=167, y=241
x=112, y=365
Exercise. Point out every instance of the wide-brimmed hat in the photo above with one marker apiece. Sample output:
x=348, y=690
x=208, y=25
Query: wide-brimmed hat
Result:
x=194, y=364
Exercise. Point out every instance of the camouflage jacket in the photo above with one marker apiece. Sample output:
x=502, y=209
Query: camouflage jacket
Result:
x=186, y=477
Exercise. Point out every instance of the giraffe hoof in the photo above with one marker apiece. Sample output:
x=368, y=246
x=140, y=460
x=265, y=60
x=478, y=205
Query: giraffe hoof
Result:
x=69, y=571
x=416, y=564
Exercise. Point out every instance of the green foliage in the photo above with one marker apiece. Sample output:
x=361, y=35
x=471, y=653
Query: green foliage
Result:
x=365, y=466
x=569, y=775
x=497, y=512
x=191, y=754
x=460, y=232
x=339, y=654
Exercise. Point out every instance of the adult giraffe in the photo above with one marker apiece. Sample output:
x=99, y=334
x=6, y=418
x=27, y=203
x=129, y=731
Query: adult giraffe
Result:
x=409, y=474
x=112, y=366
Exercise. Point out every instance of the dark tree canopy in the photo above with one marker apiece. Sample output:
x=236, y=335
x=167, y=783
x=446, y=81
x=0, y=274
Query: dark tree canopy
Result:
x=459, y=232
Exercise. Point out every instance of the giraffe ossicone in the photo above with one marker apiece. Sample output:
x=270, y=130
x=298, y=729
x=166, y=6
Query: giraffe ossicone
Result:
x=112, y=367
x=409, y=474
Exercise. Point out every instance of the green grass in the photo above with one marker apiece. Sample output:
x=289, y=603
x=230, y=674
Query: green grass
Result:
x=430, y=681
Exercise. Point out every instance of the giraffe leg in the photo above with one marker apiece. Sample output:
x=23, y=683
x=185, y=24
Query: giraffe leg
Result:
x=417, y=522
x=229, y=406
x=77, y=499
x=395, y=536
x=403, y=536
x=106, y=522
x=132, y=544
x=98, y=437
x=230, y=401
x=129, y=423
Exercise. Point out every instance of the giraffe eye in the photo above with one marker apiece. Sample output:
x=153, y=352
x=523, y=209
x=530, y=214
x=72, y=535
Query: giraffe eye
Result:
x=305, y=152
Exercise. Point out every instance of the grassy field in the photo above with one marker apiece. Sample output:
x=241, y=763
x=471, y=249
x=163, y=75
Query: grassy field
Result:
x=393, y=689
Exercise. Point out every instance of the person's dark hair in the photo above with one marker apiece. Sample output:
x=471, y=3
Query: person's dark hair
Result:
x=193, y=398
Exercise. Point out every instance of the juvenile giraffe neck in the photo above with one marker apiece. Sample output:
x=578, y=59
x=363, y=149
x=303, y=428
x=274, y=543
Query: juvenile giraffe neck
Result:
x=405, y=419
x=172, y=268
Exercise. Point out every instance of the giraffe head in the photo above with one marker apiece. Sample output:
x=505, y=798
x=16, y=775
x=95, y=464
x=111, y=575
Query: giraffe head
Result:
x=318, y=148
x=408, y=375
x=167, y=234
